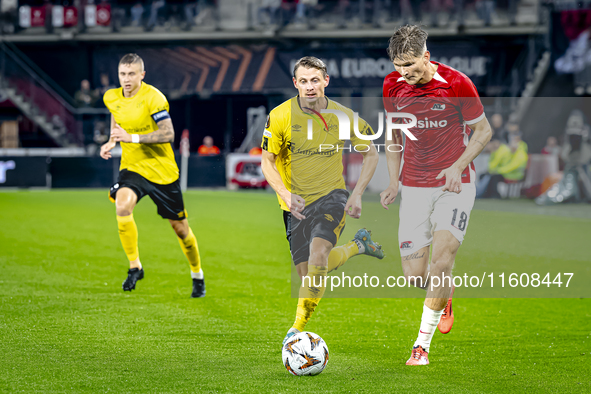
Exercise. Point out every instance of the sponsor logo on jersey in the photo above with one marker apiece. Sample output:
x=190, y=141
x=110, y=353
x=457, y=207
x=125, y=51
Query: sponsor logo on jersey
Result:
x=267, y=133
x=438, y=107
x=406, y=245
x=430, y=124
x=138, y=129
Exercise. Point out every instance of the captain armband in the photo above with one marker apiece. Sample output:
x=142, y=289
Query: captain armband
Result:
x=158, y=116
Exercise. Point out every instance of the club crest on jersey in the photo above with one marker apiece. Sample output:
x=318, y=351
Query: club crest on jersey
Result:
x=438, y=107
x=406, y=245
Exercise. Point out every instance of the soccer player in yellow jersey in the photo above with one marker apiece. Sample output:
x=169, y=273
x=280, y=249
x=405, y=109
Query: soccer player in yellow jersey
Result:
x=141, y=123
x=307, y=174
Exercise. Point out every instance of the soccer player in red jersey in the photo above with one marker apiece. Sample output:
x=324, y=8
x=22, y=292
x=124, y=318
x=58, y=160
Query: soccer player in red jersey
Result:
x=437, y=176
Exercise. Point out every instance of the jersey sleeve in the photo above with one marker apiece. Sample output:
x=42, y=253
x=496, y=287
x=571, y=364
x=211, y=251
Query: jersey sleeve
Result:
x=470, y=104
x=108, y=98
x=273, y=136
x=387, y=95
x=158, y=106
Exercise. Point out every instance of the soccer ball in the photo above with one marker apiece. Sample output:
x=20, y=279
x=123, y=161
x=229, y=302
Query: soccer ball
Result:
x=305, y=354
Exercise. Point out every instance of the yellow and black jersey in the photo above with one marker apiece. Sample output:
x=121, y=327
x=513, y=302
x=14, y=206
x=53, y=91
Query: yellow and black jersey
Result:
x=310, y=164
x=139, y=115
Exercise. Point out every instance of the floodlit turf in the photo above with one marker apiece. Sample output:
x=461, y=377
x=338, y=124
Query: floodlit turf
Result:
x=67, y=326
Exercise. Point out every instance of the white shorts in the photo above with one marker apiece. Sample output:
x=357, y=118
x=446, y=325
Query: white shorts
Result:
x=424, y=210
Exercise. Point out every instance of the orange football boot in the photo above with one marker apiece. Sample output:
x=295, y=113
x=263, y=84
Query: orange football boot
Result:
x=418, y=356
x=447, y=318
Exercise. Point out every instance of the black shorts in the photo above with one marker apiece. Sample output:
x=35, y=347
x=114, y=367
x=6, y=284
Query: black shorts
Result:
x=325, y=218
x=168, y=198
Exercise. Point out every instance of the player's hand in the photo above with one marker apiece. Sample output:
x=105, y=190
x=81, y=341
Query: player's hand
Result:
x=120, y=135
x=453, y=179
x=106, y=149
x=388, y=196
x=296, y=206
x=353, y=207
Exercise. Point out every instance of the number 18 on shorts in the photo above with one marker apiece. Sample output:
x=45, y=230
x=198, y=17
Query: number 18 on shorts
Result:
x=424, y=210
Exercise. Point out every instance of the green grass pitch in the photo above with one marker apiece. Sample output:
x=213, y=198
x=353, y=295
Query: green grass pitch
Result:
x=67, y=326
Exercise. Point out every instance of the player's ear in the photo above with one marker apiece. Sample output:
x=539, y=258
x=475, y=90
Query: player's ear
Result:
x=143, y=74
x=427, y=56
x=295, y=83
x=326, y=80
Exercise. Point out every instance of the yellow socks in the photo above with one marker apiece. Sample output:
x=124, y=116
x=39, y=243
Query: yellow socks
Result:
x=128, y=236
x=339, y=255
x=310, y=294
x=191, y=250
x=313, y=288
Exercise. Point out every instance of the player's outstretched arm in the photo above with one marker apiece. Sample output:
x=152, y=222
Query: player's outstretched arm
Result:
x=294, y=202
x=165, y=133
x=106, y=148
x=393, y=159
x=368, y=168
x=453, y=175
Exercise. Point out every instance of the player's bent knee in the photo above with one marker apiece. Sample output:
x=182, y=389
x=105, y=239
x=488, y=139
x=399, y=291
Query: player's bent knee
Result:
x=125, y=201
x=124, y=210
x=320, y=249
x=180, y=227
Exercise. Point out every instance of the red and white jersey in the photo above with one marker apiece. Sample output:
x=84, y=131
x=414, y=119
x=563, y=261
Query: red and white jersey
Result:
x=443, y=107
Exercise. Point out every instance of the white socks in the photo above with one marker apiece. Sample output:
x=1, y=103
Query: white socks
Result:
x=360, y=246
x=429, y=322
x=197, y=275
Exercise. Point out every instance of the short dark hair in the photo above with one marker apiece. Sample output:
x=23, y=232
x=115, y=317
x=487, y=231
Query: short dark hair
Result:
x=409, y=40
x=132, y=58
x=310, y=62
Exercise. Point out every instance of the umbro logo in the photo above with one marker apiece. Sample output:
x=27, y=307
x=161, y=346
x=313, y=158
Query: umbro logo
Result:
x=296, y=127
x=438, y=107
x=328, y=217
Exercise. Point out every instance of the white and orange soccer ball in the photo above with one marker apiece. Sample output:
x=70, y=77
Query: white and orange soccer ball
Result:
x=305, y=354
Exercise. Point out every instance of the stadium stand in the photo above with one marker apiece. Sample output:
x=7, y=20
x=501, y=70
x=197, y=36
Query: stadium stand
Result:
x=215, y=60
